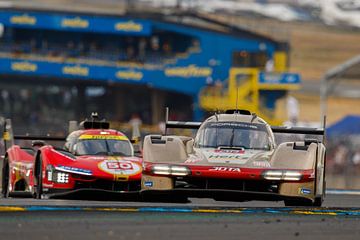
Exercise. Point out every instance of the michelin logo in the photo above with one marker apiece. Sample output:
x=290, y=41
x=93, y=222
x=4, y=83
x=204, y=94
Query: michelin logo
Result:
x=148, y=184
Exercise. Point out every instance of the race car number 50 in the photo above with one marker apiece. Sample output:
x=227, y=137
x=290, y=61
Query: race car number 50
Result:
x=117, y=167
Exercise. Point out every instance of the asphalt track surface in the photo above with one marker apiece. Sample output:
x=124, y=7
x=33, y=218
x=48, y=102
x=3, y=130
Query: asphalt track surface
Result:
x=339, y=218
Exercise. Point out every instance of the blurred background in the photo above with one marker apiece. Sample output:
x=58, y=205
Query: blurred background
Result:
x=290, y=61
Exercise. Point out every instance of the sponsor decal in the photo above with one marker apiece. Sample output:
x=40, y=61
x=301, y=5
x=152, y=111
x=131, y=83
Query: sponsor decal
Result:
x=193, y=160
x=188, y=71
x=225, y=169
x=75, y=70
x=76, y=22
x=261, y=164
x=224, y=156
x=74, y=170
x=129, y=75
x=230, y=151
x=103, y=137
x=305, y=191
x=120, y=167
x=24, y=67
x=129, y=26
x=148, y=184
x=23, y=19
x=234, y=125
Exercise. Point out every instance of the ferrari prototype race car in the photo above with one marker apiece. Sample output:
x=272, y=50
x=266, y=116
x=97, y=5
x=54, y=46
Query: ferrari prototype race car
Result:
x=95, y=162
x=234, y=157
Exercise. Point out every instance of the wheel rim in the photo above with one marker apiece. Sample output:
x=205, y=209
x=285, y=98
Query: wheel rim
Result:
x=6, y=184
x=39, y=181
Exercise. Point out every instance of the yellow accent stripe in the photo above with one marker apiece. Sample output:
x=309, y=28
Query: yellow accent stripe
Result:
x=12, y=209
x=215, y=211
x=314, y=213
x=107, y=137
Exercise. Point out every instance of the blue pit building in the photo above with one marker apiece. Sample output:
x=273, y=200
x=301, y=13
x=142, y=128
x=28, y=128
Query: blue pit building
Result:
x=63, y=65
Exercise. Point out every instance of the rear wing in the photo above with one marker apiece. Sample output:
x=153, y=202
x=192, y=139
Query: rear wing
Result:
x=7, y=137
x=298, y=130
x=275, y=129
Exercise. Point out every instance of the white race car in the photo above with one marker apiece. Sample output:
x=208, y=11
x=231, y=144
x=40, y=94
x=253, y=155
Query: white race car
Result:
x=234, y=157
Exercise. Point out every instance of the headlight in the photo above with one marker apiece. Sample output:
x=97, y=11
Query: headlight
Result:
x=170, y=170
x=49, y=172
x=282, y=175
x=62, y=177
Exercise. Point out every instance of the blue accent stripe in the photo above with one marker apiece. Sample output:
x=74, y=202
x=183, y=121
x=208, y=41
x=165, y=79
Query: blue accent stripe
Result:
x=200, y=210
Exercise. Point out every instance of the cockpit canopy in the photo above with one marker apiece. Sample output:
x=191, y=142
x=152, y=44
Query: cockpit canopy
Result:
x=233, y=135
x=102, y=145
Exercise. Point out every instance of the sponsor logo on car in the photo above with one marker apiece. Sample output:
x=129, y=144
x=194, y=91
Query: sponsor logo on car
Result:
x=120, y=168
x=305, y=191
x=225, y=169
x=148, y=184
x=74, y=170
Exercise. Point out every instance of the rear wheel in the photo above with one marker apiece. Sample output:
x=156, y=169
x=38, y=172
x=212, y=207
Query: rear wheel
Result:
x=38, y=177
x=164, y=198
x=299, y=203
x=5, y=179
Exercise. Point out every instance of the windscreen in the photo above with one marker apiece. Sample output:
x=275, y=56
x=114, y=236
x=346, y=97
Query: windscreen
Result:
x=103, y=147
x=233, y=135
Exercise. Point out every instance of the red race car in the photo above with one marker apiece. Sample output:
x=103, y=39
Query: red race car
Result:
x=96, y=162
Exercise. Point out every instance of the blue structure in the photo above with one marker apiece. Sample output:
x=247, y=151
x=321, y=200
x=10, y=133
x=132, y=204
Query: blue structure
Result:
x=163, y=52
x=349, y=125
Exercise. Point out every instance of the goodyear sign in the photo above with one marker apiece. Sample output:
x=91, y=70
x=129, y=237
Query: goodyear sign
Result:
x=157, y=78
x=24, y=66
x=129, y=75
x=23, y=19
x=75, y=22
x=129, y=26
x=76, y=70
x=81, y=23
x=188, y=71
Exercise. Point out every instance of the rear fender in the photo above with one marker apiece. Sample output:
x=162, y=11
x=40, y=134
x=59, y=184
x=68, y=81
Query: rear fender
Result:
x=295, y=155
x=167, y=149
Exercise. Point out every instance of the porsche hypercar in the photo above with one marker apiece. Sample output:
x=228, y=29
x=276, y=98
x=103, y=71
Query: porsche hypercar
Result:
x=234, y=157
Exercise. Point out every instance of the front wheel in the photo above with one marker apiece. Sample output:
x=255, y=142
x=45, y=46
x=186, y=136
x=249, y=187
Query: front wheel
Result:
x=5, y=179
x=304, y=203
x=38, y=177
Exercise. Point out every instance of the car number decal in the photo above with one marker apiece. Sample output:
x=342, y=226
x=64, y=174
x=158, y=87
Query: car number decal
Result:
x=117, y=167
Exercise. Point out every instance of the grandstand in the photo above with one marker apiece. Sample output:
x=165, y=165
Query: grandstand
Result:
x=57, y=65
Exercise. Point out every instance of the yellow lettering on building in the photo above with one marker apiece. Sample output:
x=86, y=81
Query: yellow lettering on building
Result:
x=188, y=71
x=24, y=66
x=129, y=26
x=76, y=70
x=23, y=19
x=129, y=75
x=75, y=23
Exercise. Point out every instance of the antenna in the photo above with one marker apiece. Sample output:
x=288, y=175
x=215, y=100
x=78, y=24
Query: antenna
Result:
x=166, y=119
x=324, y=127
x=237, y=98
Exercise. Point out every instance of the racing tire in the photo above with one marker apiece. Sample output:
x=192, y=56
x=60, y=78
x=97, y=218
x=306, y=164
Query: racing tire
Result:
x=298, y=203
x=304, y=203
x=38, y=177
x=164, y=199
x=5, y=179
